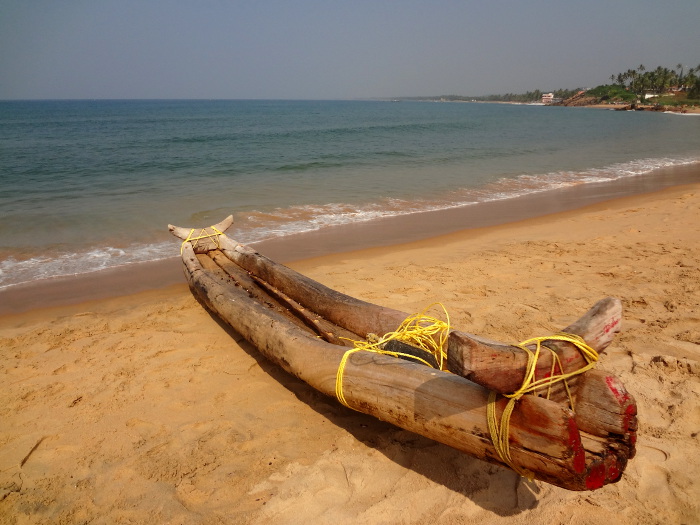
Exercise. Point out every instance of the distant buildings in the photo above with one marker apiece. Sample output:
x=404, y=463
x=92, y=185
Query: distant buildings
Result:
x=548, y=98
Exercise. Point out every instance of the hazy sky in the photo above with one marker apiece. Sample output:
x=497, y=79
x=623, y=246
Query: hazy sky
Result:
x=313, y=49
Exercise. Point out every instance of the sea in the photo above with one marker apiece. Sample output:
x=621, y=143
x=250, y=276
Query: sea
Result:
x=89, y=185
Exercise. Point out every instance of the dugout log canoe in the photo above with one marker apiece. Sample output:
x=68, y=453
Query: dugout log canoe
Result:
x=304, y=327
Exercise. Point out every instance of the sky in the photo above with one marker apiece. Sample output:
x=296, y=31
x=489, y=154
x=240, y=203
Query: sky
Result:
x=332, y=49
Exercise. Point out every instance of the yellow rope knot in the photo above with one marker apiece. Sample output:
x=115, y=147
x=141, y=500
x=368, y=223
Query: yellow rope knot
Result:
x=420, y=330
x=203, y=234
x=500, y=433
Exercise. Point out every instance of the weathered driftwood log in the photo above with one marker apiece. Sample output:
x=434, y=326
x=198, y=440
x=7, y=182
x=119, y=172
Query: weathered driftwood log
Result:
x=270, y=305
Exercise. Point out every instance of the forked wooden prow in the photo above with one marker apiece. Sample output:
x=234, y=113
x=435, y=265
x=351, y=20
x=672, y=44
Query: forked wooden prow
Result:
x=208, y=233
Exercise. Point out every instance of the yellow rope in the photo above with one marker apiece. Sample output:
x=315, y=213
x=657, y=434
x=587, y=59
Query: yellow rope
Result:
x=202, y=235
x=420, y=330
x=431, y=335
x=500, y=433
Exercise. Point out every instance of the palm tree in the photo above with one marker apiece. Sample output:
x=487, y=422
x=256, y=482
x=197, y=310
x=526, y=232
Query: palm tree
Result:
x=680, y=75
x=671, y=77
x=632, y=77
x=662, y=78
x=693, y=82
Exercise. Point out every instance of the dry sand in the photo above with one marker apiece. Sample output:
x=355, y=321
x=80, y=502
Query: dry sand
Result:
x=144, y=409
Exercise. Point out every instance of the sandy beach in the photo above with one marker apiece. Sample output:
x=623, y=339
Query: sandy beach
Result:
x=145, y=409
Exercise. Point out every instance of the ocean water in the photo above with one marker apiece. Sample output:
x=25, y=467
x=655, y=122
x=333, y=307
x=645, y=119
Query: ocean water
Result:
x=88, y=185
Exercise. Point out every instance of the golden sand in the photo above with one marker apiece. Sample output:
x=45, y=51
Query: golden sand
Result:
x=144, y=409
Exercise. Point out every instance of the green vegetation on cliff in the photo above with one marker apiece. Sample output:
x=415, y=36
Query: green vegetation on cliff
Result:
x=612, y=93
x=642, y=81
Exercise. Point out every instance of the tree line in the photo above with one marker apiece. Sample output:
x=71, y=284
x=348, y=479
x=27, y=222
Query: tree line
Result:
x=530, y=96
x=660, y=80
x=630, y=84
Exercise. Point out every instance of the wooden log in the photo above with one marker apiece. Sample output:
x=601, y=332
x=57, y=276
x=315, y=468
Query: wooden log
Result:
x=220, y=267
x=598, y=326
x=237, y=277
x=325, y=329
x=497, y=366
x=265, y=292
x=359, y=317
x=605, y=408
x=494, y=365
x=545, y=438
x=502, y=368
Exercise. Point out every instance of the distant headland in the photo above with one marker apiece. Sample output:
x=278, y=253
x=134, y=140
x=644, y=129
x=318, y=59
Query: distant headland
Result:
x=660, y=89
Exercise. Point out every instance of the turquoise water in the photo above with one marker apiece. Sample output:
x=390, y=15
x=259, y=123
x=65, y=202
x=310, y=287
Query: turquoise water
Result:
x=86, y=185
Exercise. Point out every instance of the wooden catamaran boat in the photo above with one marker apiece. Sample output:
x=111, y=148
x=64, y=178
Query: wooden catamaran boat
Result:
x=477, y=402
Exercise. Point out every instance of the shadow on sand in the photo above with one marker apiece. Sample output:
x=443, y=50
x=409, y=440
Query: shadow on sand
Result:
x=492, y=487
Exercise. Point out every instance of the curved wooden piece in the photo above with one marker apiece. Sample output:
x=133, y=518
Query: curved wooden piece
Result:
x=208, y=237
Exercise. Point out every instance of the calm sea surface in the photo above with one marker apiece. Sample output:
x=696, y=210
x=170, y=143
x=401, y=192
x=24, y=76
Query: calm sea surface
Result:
x=86, y=185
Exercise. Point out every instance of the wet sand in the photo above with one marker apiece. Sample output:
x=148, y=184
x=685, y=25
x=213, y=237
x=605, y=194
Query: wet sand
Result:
x=144, y=409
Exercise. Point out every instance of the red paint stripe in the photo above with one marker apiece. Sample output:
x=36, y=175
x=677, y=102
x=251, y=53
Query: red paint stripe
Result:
x=596, y=476
x=576, y=446
x=612, y=324
x=617, y=389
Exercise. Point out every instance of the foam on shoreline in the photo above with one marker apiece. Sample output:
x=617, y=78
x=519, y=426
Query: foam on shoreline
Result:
x=384, y=231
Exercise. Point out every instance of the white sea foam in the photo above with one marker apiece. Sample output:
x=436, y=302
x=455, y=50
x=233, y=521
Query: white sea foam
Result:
x=255, y=227
x=14, y=271
x=301, y=219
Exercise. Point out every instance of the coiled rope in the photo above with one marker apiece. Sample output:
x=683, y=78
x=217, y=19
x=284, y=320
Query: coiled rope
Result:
x=420, y=330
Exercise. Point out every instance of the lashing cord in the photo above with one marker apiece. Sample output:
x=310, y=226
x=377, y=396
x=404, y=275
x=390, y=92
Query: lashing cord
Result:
x=431, y=335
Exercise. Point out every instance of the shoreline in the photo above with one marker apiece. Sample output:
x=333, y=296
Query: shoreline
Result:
x=386, y=232
x=686, y=110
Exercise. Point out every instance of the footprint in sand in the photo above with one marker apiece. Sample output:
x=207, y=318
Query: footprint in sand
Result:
x=654, y=479
x=654, y=486
x=652, y=454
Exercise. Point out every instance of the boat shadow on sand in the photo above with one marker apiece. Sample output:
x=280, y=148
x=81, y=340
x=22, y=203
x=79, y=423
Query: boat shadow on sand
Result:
x=491, y=487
